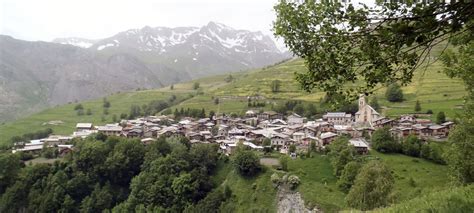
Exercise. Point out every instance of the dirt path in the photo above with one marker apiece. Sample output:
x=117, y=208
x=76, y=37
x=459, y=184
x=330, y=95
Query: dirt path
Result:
x=291, y=201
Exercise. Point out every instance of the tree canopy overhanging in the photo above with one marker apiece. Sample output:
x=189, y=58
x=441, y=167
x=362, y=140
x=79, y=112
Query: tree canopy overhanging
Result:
x=346, y=43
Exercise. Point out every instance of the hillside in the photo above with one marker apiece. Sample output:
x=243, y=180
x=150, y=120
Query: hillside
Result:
x=431, y=87
x=38, y=75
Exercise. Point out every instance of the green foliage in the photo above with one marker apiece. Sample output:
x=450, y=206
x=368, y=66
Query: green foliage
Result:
x=196, y=85
x=229, y=78
x=341, y=44
x=246, y=162
x=412, y=146
x=374, y=103
x=32, y=136
x=440, y=118
x=106, y=103
x=348, y=176
x=284, y=162
x=383, y=141
x=275, y=86
x=394, y=93
x=10, y=166
x=78, y=107
x=372, y=187
x=460, y=199
x=275, y=178
x=294, y=181
x=417, y=106
x=341, y=153
x=460, y=154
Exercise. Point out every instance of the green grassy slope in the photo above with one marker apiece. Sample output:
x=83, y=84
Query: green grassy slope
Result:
x=318, y=184
x=431, y=86
x=460, y=199
x=120, y=103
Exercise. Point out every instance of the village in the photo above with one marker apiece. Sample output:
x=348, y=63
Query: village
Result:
x=251, y=130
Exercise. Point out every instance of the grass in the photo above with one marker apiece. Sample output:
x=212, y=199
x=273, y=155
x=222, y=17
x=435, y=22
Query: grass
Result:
x=255, y=194
x=460, y=199
x=431, y=87
x=428, y=176
x=318, y=184
x=120, y=103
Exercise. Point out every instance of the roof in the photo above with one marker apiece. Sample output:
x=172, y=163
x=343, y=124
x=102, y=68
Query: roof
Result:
x=447, y=123
x=84, y=125
x=358, y=142
x=327, y=135
x=337, y=115
x=437, y=127
x=109, y=128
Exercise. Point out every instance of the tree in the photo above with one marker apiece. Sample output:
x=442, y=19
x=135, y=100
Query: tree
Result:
x=440, y=118
x=311, y=110
x=106, y=103
x=372, y=187
x=246, y=162
x=299, y=109
x=196, y=85
x=216, y=101
x=382, y=141
x=412, y=146
x=417, y=106
x=284, y=162
x=460, y=154
x=78, y=107
x=348, y=176
x=172, y=87
x=394, y=93
x=229, y=78
x=89, y=112
x=375, y=103
x=275, y=86
x=375, y=45
x=10, y=166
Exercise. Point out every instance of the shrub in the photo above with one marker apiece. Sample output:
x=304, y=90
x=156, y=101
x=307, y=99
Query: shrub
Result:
x=275, y=178
x=293, y=181
x=394, y=93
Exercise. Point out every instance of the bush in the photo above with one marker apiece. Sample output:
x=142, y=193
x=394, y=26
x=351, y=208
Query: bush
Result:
x=293, y=181
x=284, y=162
x=275, y=178
x=383, y=141
x=246, y=162
x=394, y=93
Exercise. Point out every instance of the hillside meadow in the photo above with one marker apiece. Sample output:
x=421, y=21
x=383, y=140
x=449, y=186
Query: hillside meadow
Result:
x=430, y=86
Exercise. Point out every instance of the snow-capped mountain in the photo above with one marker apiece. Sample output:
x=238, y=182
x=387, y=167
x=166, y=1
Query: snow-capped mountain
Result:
x=74, y=41
x=199, y=51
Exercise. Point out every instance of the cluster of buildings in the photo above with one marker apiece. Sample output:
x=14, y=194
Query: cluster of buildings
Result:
x=255, y=128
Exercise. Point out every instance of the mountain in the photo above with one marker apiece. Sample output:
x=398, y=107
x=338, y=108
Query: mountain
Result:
x=38, y=75
x=210, y=49
x=75, y=41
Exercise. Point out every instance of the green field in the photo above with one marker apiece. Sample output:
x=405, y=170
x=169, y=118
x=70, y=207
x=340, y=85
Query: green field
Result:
x=120, y=103
x=318, y=184
x=255, y=194
x=430, y=86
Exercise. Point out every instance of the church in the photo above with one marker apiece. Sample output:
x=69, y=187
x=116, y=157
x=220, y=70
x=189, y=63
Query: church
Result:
x=366, y=114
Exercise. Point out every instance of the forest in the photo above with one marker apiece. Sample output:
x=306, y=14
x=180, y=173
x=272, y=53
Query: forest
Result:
x=114, y=174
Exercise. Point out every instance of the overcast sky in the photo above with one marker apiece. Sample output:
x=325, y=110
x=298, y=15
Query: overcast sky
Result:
x=49, y=19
